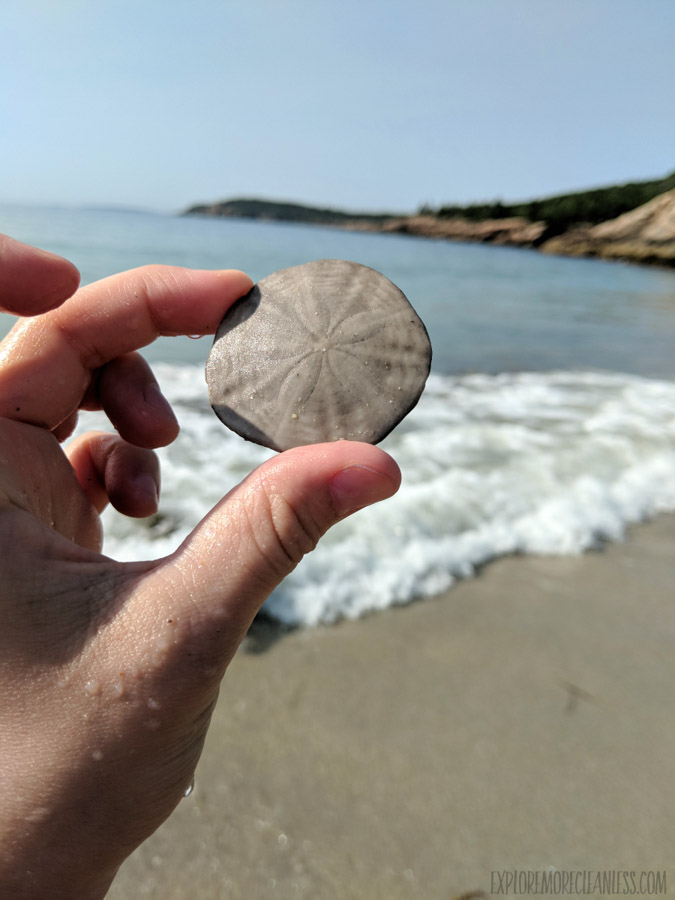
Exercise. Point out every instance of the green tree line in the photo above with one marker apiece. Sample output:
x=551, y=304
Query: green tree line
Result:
x=564, y=211
x=250, y=208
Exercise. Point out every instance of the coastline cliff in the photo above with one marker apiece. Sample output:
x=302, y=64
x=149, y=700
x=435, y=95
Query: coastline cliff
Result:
x=644, y=235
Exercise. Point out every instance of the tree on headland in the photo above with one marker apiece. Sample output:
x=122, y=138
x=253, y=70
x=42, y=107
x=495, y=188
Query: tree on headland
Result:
x=565, y=211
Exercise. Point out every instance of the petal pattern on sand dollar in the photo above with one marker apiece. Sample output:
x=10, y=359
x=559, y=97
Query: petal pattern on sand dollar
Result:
x=324, y=351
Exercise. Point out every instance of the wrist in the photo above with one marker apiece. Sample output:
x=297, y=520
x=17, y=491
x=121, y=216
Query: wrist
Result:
x=48, y=846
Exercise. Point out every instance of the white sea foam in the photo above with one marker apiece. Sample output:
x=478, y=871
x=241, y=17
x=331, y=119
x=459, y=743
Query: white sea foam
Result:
x=545, y=463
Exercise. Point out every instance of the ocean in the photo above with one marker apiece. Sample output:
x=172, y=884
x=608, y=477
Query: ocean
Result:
x=547, y=426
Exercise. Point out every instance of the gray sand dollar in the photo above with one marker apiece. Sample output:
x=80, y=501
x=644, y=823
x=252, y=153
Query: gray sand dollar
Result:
x=324, y=351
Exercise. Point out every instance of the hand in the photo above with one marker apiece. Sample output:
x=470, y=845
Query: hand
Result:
x=109, y=671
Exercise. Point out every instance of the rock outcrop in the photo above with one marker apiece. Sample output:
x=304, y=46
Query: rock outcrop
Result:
x=514, y=231
x=645, y=235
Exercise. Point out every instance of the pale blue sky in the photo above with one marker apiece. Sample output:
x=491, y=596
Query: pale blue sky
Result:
x=359, y=104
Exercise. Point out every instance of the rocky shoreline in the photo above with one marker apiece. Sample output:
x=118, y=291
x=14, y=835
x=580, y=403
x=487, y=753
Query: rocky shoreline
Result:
x=644, y=235
x=514, y=232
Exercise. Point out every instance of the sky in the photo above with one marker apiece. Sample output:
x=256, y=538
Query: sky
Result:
x=355, y=104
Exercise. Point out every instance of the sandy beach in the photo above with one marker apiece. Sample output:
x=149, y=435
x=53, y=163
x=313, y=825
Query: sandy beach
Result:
x=524, y=720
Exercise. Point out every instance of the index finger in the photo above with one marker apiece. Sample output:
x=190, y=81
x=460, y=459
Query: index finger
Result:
x=46, y=364
x=32, y=280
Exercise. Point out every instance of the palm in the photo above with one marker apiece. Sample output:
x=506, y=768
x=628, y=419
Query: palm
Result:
x=65, y=629
x=36, y=478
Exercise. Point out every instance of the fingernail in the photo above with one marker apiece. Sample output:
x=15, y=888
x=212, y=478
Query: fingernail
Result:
x=156, y=400
x=146, y=484
x=359, y=486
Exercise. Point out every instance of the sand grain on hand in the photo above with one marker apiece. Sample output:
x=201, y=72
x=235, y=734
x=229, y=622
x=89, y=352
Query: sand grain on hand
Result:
x=324, y=351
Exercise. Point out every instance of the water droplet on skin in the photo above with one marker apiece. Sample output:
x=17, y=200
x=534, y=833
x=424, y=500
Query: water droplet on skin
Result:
x=37, y=814
x=189, y=789
x=153, y=704
x=195, y=337
x=93, y=687
x=161, y=649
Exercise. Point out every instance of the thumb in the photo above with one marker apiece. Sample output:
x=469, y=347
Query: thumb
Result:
x=260, y=531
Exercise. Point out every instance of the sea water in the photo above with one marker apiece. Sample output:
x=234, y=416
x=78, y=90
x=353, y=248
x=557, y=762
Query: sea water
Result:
x=547, y=426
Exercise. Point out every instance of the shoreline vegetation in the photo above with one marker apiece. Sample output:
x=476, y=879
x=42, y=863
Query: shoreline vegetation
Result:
x=634, y=222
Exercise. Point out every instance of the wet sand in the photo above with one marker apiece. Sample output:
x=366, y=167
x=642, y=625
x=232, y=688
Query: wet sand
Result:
x=524, y=720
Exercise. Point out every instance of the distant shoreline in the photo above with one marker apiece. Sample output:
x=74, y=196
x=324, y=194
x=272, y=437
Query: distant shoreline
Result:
x=642, y=231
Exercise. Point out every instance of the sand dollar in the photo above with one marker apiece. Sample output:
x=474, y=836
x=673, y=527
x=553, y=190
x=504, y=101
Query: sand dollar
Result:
x=324, y=351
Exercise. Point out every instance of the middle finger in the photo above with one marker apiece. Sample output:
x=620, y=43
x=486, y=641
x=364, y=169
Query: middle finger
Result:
x=128, y=393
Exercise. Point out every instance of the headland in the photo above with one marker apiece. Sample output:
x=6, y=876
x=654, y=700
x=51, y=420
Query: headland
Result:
x=633, y=222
